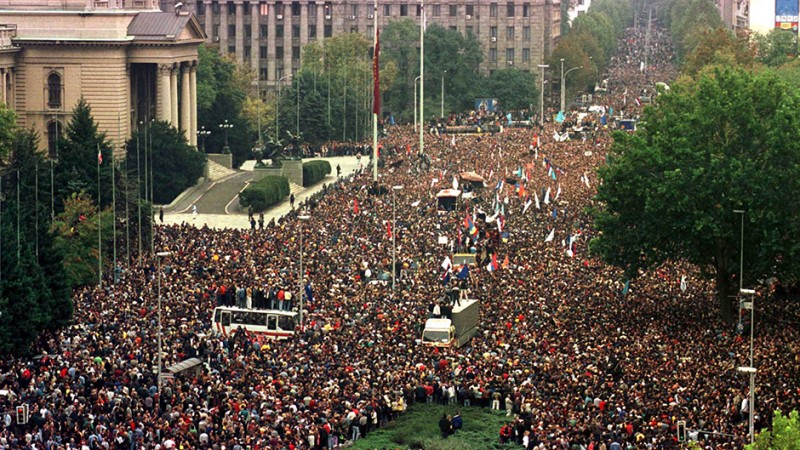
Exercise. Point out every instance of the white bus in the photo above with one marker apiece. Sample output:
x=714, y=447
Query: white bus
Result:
x=270, y=323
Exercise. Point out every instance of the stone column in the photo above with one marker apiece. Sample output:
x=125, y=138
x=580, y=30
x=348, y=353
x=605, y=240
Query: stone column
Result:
x=240, y=32
x=174, y=96
x=164, y=101
x=287, y=39
x=12, y=87
x=271, y=37
x=320, y=21
x=223, y=27
x=193, y=103
x=208, y=20
x=303, y=24
x=186, y=102
x=3, y=85
x=255, y=35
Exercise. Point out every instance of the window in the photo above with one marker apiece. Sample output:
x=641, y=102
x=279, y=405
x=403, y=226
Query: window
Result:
x=354, y=29
x=493, y=54
x=370, y=31
x=295, y=31
x=510, y=54
x=278, y=8
x=295, y=8
x=215, y=7
x=231, y=49
x=231, y=9
x=526, y=54
x=279, y=31
x=215, y=33
x=201, y=8
x=419, y=10
x=526, y=33
x=354, y=10
x=328, y=9
x=470, y=30
x=453, y=10
x=510, y=9
x=470, y=10
x=248, y=31
x=526, y=10
x=387, y=10
x=231, y=31
x=54, y=130
x=493, y=10
x=272, y=323
x=278, y=52
x=295, y=53
x=278, y=73
x=403, y=10
x=493, y=32
x=246, y=9
x=510, y=33
x=312, y=31
x=328, y=30
x=312, y=10
x=285, y=323
x=262, y=52
x=453, y=28
x=262, y=74
x=262, y=31
x=437, y=10
x=247, y=52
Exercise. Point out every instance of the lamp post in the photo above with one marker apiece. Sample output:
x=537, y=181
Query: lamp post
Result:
x=277, y=111
x=394, y=233
x=442, y=95
x=741, y=261
x=225, y=126
x=202, y=132
x=415, y=102
x=563, y=87
x=160, y=255
x=751, y=401
x=258, y=108
x=302, y=218
x=541, y=96
x=422, y=78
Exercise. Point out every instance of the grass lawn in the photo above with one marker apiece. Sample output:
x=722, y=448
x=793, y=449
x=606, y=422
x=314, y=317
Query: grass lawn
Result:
x=418, y=428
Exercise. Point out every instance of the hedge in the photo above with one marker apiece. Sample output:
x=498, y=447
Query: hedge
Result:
x=315, y=171
x=264, y=193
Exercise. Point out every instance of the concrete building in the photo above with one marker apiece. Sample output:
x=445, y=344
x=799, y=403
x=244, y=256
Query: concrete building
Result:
x=268, y=35
x=130, y=61
x=735, y=13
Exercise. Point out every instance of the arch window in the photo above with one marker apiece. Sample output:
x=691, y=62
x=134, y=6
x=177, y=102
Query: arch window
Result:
x=54, y=88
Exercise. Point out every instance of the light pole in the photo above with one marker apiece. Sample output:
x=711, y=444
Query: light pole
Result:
x=225, y=126
x=415, y=102
x=541, y=96
x=394, y=233
x=258, y=108
x=751, y=401
x=160, y=255
x=202, y=132
x=277, y=102
x=563, y=78
x=422, y=78
x=302, y=218
x=442, y=99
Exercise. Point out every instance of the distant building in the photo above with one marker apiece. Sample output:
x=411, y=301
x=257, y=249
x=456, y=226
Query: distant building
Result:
x=268, y=35
x=130, y=61
x=735, y=13
x=577, y=8
x=768, y=14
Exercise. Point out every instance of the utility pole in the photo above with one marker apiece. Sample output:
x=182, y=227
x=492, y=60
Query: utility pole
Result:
x=422, y=78
x=376, y=89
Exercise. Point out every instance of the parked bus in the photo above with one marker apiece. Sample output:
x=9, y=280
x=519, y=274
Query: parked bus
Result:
x=271, y=323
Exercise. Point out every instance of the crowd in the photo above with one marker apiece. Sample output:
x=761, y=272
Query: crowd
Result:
x=576, y=357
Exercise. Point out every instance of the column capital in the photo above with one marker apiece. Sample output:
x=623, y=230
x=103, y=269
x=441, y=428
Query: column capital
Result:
x=165, y=69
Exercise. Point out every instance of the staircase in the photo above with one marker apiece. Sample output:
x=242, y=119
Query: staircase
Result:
x=295, y=189
x=217, y=171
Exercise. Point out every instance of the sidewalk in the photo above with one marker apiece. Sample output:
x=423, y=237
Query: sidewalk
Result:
x=349, y=164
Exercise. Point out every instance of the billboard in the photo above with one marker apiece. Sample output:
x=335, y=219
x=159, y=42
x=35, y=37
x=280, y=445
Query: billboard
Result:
x=485, y=104
x=786, y=14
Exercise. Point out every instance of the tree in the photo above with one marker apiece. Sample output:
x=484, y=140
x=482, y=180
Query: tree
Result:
x=513, y=88
x=717, y=47
x=179, y=165
x=400, y=47
x=776, y=47
x=725, y=142
x=77, y=238
x=785, y=433
x=688, y=19
x=450, y=54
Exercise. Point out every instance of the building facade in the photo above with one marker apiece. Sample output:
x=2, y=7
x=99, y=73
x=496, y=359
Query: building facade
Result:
x=131, y=62
x=269, y=35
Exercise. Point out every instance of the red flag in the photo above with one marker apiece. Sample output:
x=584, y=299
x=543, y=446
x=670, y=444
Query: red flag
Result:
x=355, y=206
x=376, y=81
x=99, y=156
x=388, y=229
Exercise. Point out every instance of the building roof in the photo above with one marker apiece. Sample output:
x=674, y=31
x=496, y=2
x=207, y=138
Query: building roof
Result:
x=161, y=26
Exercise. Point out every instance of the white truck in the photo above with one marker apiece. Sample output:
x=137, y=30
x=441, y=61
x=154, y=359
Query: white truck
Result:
x=453, y=332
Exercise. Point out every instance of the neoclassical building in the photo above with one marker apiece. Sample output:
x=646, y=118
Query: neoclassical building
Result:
x=132, y=63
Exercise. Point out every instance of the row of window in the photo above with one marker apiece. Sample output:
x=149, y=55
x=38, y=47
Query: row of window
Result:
x=511, y=32
x=295, y=8
x=510, y=53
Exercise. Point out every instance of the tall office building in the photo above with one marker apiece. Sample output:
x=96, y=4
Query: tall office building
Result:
x=268, y=35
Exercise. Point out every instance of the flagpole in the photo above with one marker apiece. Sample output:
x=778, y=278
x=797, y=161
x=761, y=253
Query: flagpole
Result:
x=99, y=223
x=375, y=101
x=114, y=194
x=422, y=79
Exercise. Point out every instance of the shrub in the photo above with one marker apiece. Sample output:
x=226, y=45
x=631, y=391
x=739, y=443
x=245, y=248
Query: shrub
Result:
x=314, y=171
x=264, y=193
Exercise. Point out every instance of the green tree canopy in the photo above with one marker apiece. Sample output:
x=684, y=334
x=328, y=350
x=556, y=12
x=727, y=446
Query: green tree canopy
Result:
x=776, y=47
x=785, y=433
x=513, y=88
x=725, y=142
x=717, y=47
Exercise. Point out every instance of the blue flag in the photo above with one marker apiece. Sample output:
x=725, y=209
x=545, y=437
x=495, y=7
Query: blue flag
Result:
x=464, y=273
x=446, y=278
x=555, y=214
x=560, y=117
x=627, y=286
x=309, y=294
x=603, y=120
x=504, y=236
x=508, y=116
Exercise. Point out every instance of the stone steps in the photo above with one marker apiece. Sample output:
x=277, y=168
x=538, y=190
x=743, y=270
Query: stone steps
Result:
x=218, y=171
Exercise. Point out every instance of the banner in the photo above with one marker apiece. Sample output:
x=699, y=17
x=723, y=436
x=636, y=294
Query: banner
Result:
x=376, y=92
x=786, y=14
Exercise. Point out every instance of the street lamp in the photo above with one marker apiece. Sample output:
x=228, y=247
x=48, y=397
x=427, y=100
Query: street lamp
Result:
x=160, y=255
x=751, y=401
x=563, y=78
x=442, y=99
x=415, y=101
x=225, y=126
x=394, y=233
x=541, y=96
x=202, y=132
x=302, y=218
x=258, y=107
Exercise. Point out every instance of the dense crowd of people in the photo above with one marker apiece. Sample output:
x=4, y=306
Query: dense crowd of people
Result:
x=575, y=356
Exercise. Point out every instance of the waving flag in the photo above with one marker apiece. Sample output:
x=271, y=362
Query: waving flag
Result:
x=99, y=156
x=355, y=206
x=492, y=266
x=550, y=236
x=464, y=273
x=528, y=204
x=309, y=293
x=536, y=200
x=388, y=229
x=558, y=192
x=547, y=197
